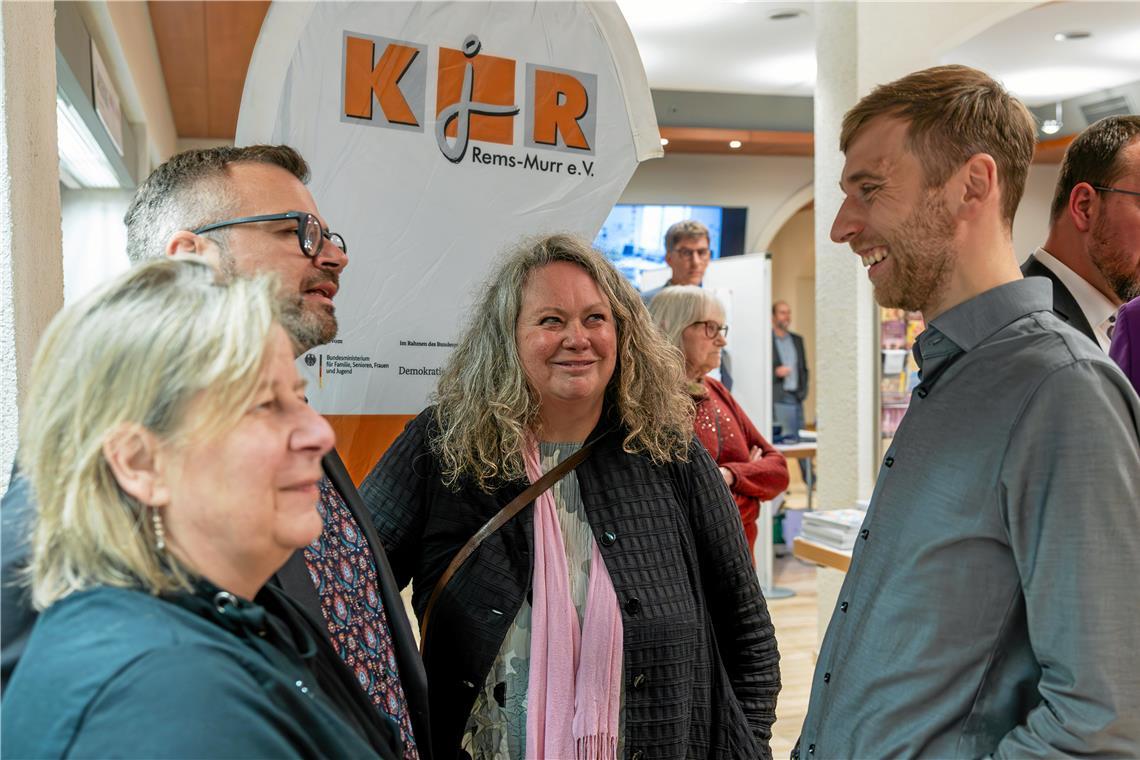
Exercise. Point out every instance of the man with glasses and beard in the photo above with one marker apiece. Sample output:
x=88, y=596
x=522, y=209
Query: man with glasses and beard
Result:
x=1092, y=254
x=248, y=210
x=992, y=593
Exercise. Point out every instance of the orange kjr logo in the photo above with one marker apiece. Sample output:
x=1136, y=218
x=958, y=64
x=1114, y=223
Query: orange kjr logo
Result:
x=385, y=85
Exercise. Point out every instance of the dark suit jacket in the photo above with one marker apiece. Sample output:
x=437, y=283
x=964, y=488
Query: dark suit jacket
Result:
x=1064, y=305
x=801, y=370
x=18, y=615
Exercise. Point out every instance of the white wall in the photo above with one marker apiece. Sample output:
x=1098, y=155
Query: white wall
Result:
x=763, y=184
x=94, y=239
x=1031, y=225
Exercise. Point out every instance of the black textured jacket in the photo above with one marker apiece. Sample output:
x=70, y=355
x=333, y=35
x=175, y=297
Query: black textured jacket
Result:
x=700, y=660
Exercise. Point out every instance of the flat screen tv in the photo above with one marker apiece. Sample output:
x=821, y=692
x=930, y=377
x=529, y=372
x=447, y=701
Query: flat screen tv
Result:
x=633, y=235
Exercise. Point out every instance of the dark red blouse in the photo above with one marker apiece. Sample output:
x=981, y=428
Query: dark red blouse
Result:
x=728, y=434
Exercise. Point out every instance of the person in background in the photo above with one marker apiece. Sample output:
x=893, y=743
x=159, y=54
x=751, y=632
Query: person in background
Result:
x=688, y=253
x=1125, y=349
x=175, y=464
x=618, y=615
x=789, y=378
x=692, y=319
x=248, y=211
x=992, y=592
x=1092, y=254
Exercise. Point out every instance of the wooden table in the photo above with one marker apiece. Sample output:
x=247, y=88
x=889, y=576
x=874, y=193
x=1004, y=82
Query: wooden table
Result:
x=821, y=555
x=802, y=450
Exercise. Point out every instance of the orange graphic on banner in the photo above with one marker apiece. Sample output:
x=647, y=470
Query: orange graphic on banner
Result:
x=494, y=84
x=560, y=100
x=361, y=80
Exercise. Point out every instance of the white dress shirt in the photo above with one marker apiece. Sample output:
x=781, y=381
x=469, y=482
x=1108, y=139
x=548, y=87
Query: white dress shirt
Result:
x=1098, y=310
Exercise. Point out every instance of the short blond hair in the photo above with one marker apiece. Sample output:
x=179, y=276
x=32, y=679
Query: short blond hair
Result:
x=677, y=307
x=135, y=352
x=953, y=113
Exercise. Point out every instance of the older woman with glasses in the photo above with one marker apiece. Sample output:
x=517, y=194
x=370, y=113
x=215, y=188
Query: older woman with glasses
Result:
x=693, y=320
x=617, y=614
x=175, y=464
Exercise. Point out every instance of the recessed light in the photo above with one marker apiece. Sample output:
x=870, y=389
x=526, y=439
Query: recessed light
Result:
x=664, y=141
x=785, y=14
x=1067, y=36
x=734, y=144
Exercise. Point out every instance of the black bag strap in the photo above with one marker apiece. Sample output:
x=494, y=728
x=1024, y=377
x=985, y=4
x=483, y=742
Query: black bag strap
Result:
x=515, y=506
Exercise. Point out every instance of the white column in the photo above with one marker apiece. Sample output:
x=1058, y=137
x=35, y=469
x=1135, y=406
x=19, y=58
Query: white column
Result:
x=31, y=260
x=860, y=45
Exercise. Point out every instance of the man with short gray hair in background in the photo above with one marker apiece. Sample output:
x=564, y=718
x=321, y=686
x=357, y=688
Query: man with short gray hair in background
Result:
x=990, y=609
x=248, y=210
x=688, y=254
x=1092, y=254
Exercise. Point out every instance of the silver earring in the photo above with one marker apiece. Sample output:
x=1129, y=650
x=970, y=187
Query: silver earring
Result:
x=159, y=530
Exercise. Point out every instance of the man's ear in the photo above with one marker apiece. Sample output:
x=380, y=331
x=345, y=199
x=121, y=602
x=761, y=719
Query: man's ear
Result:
x=138, y=462
x=977, y=185
x=1082, y=206
x=186, y=242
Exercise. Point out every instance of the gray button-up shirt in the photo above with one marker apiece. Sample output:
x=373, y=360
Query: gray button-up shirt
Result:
x=993, y=601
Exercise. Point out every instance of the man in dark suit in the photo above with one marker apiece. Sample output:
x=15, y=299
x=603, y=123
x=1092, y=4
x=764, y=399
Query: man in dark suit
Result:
x=789, y=376
x=1092, y=254
x=248, y=210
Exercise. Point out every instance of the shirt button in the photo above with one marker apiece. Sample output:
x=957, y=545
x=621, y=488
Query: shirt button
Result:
x=639, y=680
x=864, y=533
x=843, y=607
x=889, y=461
x=608, y=538
x=827, y=678
x=633, y=606
x=921, y=392
x=811, y=749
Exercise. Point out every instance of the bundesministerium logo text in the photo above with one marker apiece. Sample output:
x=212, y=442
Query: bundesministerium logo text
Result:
x=385, y=85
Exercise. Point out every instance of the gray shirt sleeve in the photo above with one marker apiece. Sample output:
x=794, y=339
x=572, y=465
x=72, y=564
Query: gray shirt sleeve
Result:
x=1074, y=530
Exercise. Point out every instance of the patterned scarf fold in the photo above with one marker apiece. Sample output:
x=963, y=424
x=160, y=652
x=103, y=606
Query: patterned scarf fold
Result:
x=574, y=686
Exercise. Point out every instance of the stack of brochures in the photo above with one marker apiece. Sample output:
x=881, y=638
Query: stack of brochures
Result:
x=836, y=528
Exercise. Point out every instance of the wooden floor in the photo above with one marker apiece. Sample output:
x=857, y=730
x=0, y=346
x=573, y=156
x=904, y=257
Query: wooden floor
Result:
x=795, y=620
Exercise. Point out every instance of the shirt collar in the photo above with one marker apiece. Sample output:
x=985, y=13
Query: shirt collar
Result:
x=1093, y=304
x=968, y=324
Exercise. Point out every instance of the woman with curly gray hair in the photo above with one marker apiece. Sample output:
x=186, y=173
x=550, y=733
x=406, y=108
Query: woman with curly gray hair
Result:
x=608, y=608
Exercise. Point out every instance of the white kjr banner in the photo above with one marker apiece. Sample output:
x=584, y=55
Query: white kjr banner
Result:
x=438, y=135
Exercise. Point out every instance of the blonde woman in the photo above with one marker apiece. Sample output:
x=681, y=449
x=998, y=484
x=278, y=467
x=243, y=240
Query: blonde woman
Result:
x=692, y=319
x=175, y=464
x=618, y=613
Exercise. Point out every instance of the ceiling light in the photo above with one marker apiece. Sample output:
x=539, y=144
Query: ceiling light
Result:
x=664, y=141
x=82, y=162
x=1053, y=126
x=785, y=14
x=734, y=144
x=1067, y=36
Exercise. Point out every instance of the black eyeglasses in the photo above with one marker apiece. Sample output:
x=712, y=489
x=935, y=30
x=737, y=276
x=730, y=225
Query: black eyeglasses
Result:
x=712, y=329
x=310, y=234
x=697, y=253
x=1115, y=190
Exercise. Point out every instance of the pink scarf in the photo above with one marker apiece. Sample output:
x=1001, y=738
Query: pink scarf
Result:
x=574, y=691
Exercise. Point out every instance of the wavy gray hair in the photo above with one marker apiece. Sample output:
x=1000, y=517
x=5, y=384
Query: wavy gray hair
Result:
x=485, y=407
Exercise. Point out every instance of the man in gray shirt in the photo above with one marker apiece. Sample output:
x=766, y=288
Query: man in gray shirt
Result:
x=991, y=608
